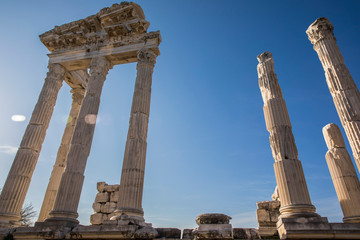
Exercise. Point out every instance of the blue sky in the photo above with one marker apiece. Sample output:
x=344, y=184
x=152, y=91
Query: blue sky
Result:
x=208, y=148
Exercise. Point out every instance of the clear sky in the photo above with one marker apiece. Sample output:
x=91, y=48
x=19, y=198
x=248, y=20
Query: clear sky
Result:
x=208, y=148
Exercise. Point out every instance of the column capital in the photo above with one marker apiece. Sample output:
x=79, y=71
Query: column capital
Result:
x=320, y=29
x=78, y=94
x=265, y=57
x=56, y=70
x=100, y=65
x=147, y=56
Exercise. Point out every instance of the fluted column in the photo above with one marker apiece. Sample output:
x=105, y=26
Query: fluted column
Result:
x=345, y=94
x=18, y=181
x=132, y=176
x=60, y=163
x=293, y=191
x=343, y=174
x=67, y=199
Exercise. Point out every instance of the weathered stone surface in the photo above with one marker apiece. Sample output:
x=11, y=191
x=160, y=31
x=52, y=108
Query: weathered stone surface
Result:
x=108, y=207
x=267, y=215
x=188, y=234
x=133, y=170
x=213, y=231
x=100, y=186
x=18, y=181
x=111, y=188
x=212, y=218
x=342, y=87
x=96, y=207
x=96, y=218
x=114, y=196
x=245, y=233
x=294, y=195
x=168, y=232
x=102, y=197
x=343, y=174
x=146, y=233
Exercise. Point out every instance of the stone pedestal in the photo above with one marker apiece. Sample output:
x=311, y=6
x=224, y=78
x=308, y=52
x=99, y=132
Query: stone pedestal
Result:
x=293, y=191
x=343, y=174
x=17, y=183
x=213, y=226
x=342, y=87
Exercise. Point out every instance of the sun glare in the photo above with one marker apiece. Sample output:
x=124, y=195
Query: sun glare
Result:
x=18, y=118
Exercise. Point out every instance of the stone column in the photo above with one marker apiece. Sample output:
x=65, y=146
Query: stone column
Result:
x=60, y=163
x=343, y=174
x=345, y=94
x=67, y=199
x=18, y=181
x=294, y=194
x=132, y=176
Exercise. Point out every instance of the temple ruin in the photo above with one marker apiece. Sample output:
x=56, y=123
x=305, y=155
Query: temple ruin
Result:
x=81, y=54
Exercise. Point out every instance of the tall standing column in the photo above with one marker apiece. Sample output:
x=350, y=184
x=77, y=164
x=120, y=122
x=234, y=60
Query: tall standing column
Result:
x=345, y=94
x=18, y=181
x=343, y=174
x=60, y=163
x=132, y=176
x=293, y=191
x=67, y=199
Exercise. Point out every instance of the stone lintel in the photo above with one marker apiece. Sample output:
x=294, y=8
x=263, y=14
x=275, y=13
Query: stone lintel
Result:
x=80, y=59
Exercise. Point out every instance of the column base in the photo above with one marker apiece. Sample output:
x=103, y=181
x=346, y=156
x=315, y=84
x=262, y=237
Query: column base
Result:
x=9, y=221
x=352, y=219
x=298, y=210
x=60, y=218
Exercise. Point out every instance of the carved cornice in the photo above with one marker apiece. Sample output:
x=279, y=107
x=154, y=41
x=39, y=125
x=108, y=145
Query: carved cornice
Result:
x=119, y=24
x=146, y=56
x=320, y=29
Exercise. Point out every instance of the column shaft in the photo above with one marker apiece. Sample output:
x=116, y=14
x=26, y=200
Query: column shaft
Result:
x=18, y=181
x=343, y=174
x=342, y=87
x=293, y=191
x=60, y=163
x=67, y=199
x=132, y=176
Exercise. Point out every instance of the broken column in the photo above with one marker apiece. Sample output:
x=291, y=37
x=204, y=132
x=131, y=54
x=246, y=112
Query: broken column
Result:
x=67, y=199
x=343, y=174
x=345, y=94
x=60, y=163
x=133, y=170
x=18, y=181
x=293, y=191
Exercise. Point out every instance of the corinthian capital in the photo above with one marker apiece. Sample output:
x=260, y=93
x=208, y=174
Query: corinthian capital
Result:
x=320, y=29
x=147, y=56
x=100, y=66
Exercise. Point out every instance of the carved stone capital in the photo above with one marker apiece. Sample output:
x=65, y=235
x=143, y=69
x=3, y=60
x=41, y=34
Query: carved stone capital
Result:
x=78, y=95
x=100, y=66
x=56, y=71
x=147, y=56
x=320, y=29
x=264, y=57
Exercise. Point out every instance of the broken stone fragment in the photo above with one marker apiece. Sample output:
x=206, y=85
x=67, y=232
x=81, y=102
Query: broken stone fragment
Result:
x=212, y=218
x=146, y=233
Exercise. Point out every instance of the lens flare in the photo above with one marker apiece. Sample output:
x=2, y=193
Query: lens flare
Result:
x=18, y=118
